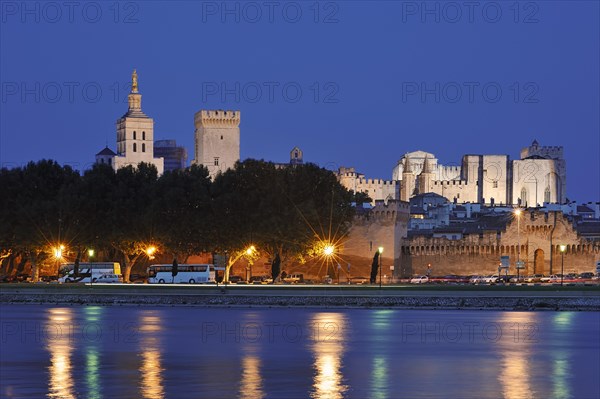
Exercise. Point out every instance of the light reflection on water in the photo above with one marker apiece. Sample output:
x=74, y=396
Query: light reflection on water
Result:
x=251, y=384
x=514, y=349
x=328, y=350
x=381, y=324
x=151, y=370
x=93, y=315
x=341, y=354
x=560, y=358
x=61, y=383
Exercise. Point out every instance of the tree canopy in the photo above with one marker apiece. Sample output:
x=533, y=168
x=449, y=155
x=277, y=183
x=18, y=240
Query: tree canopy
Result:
x=274, y=209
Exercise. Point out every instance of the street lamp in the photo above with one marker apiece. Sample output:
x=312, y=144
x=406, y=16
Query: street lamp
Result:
x=563, y=248
x=90, y=256
x=150, y=251
x=328, y=251
x=58, y=251
x=249, y=252
x=380, y=249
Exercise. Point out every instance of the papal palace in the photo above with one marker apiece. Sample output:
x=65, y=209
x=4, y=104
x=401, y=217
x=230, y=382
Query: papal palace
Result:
x=452, y=219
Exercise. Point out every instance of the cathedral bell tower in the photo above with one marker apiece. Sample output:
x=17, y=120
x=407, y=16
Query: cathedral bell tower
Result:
x=135, y=133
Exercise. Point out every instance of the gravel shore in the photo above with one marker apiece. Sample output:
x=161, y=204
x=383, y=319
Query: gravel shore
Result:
x=591, y=303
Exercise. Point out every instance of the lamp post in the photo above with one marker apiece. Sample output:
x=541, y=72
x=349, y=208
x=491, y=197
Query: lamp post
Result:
x=380, y=249
x=328, y=251
x=58, y=251
x=90, y=256
x=563, y=248
x=249, y=253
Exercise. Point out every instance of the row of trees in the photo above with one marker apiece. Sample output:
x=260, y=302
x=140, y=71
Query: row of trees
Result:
x=284, y=211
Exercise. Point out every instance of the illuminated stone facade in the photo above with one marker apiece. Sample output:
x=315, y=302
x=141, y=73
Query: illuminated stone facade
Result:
x=217, y=140
x=135, y=136
x=538, y=177
x=538, y=234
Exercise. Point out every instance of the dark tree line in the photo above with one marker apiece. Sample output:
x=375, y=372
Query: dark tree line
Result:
x=281, y=211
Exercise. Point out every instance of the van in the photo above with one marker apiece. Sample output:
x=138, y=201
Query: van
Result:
x=294, y=278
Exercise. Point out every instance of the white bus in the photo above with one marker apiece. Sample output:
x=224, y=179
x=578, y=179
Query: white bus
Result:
x=88, y=272
x=186, y=273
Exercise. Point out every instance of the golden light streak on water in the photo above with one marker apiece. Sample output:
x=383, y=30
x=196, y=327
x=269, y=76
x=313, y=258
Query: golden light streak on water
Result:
x=515, y=368
x=151, y=370
x=61, y=382
x=328, y=349
x=251, y=386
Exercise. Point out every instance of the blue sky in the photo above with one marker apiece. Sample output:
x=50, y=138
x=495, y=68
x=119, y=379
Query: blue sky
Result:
x=352, y=83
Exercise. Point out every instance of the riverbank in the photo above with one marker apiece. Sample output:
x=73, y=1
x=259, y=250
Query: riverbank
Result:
x=527, y=298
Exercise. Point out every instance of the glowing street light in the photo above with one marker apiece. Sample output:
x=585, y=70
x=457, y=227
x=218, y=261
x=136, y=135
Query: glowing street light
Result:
x=90, y=256
x=328, y=250
x=563, y=248
x=150, y=251
x=250, y=251
x=58, y=251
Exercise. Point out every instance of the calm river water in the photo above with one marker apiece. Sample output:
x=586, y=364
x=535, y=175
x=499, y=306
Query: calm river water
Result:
x=175, y=352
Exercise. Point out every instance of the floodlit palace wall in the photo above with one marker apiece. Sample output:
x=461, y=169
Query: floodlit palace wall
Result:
x=540, y=236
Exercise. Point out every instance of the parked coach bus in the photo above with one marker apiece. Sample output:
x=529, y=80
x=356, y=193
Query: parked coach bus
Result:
x=88, y=272
x=186, y=273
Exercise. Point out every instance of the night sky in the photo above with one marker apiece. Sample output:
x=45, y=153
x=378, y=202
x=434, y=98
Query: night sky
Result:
x=351, y=83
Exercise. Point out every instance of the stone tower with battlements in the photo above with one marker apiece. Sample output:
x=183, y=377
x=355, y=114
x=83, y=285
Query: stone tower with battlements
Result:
x=217, y=140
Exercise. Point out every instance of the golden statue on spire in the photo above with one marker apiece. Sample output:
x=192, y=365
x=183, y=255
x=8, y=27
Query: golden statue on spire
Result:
x=134, y=82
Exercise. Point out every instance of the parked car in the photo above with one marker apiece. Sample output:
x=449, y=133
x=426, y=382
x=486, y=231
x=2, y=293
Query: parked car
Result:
x=534, y=278
x=137, y=278
x=109, y=279
x=235, y=279
x=545, y=279
x=492, y=279
x=462, y=279
x=555, y=278
x=419, y=280
x=17, y=278
x=515, y=279
x=256, y=280
x=476, y=279
x=48, y=279
x=586, y=276
x=359, y=280
x=571, y=278
x=294, y=278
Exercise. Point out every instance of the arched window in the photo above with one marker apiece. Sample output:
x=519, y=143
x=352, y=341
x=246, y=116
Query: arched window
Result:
x=144, y=135
x=143, y=147
x=523, y=196
x=547, y=194
x=134, y=146
x=134, y=135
